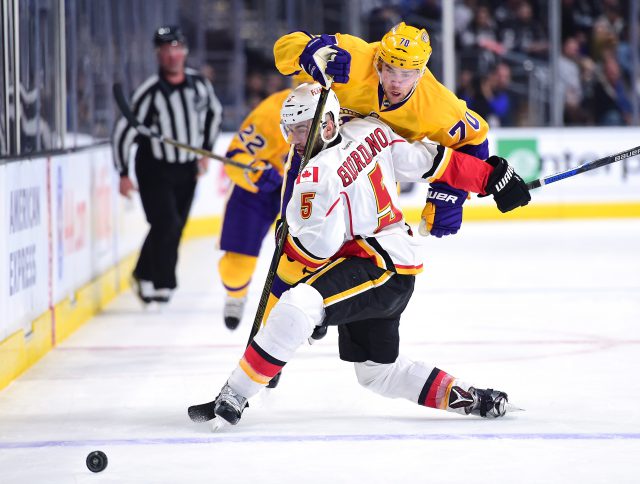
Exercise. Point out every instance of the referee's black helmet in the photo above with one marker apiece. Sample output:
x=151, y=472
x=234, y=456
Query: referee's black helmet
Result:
x=169, y=34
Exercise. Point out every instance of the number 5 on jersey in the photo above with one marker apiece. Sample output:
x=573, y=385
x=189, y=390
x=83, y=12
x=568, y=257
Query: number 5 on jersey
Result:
x=305, y=204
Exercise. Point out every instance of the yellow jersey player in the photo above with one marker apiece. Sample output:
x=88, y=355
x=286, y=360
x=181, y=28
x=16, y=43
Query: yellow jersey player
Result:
x=254, y=200
x=390, y=80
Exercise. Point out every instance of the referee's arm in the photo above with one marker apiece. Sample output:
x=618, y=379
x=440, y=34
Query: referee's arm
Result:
x=124, y=135
x=213, y=118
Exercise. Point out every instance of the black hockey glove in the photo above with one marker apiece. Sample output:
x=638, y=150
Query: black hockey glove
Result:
x=508, y=189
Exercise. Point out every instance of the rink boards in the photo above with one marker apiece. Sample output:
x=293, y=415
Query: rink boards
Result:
x=68, y=239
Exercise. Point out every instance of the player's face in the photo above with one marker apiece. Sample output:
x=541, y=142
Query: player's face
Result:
x=172, y=57
x=298, y=134
x=397, y=83
x=328, y=126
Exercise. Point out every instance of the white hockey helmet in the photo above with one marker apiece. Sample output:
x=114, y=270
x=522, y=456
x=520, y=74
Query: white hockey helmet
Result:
x=301, y=105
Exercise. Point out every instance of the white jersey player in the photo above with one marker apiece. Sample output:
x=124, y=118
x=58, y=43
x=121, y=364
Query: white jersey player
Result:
x=344, y=214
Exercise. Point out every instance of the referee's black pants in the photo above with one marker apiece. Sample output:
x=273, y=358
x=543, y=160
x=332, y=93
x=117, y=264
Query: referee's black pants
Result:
x=166, y=191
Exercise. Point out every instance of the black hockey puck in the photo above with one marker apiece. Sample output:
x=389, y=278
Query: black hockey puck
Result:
x=97, y=461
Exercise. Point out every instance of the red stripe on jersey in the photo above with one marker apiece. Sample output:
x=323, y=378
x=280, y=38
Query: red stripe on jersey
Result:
x=352, y=249
x=398, y=141
x=349, y=210
x=466, y=172
x=430, y=401
x=292, y=251
x=259, y=364
x=332, y=207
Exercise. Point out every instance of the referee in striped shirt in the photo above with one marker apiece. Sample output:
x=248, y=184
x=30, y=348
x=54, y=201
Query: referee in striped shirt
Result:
x=179, y=104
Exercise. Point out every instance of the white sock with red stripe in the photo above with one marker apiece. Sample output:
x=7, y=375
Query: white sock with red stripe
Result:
x=412, y=380
x=290, y=323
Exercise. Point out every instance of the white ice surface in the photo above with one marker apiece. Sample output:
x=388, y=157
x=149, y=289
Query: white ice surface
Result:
x=548, y=312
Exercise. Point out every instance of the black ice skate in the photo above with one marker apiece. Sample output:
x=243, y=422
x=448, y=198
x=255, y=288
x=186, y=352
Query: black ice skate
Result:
x=274, y=381
x=233, y=310
x=230, y=405
x=476, y=401
x=142, y=289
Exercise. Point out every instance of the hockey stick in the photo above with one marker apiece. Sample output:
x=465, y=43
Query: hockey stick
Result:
x=284, y=229
x=587, y=166
x=123, y=105
x=206, y=411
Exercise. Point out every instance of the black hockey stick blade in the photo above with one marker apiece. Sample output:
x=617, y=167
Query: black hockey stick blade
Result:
x=123, y=105
x=588, y=166
x=203, y=412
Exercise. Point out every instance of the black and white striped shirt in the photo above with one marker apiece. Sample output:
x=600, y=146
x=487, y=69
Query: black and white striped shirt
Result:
x=188, y=112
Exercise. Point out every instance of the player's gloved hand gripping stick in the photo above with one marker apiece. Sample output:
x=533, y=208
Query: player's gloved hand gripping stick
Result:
x=123, y=105
x=205, y=412
x=323, y=60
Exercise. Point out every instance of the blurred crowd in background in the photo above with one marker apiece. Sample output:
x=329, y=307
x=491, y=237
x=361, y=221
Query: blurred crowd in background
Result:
x=499, y=43
x=506, y=67
x=498, y=46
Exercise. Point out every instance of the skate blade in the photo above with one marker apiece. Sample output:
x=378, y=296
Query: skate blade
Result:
x=219, y=424
x=510, y=407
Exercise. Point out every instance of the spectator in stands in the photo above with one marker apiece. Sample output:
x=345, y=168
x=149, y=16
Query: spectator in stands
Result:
x=429, y=10
x=570, y=79
x=254, y=89
x=381, y=20
x=611, y=102
x=606, y=32
x=464, y=13
x=491, y=98
x=578, y=17
x=502, y=103
x=480, y=41
x=466, y=90
x=525, y=34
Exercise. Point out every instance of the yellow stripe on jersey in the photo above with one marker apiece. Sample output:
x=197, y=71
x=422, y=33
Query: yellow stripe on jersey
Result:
x=444, y=403
x=324, y=270
x=444, y=163
x=298, y=253
x=378, y=260
x=409, y=270
x=359, y=289
x=252, y=374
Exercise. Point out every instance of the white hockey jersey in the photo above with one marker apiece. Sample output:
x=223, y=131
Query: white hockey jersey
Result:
x=345, y=202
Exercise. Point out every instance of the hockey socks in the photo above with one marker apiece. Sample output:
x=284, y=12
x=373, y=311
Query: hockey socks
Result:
x=445, y=392
x=289, y=326
x=417, y=382
x=236, y=271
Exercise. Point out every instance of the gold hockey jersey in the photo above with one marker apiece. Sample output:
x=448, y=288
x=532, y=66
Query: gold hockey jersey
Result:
x=432, y=110
x=259, y=138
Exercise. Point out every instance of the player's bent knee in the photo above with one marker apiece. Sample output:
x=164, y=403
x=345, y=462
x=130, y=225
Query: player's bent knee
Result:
x=307, y=299
x=296, y=314
x=374, y=376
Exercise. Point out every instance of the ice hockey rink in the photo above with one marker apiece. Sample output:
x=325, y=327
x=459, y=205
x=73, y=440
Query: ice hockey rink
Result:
x=548, y=312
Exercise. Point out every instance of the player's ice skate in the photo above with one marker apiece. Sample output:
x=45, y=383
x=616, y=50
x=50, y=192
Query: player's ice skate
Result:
x=144, y=290
x=229, y=405
x=487, y=403
x=233, y=311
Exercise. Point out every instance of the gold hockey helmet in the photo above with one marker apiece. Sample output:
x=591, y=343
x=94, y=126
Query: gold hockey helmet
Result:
x=406, y=47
